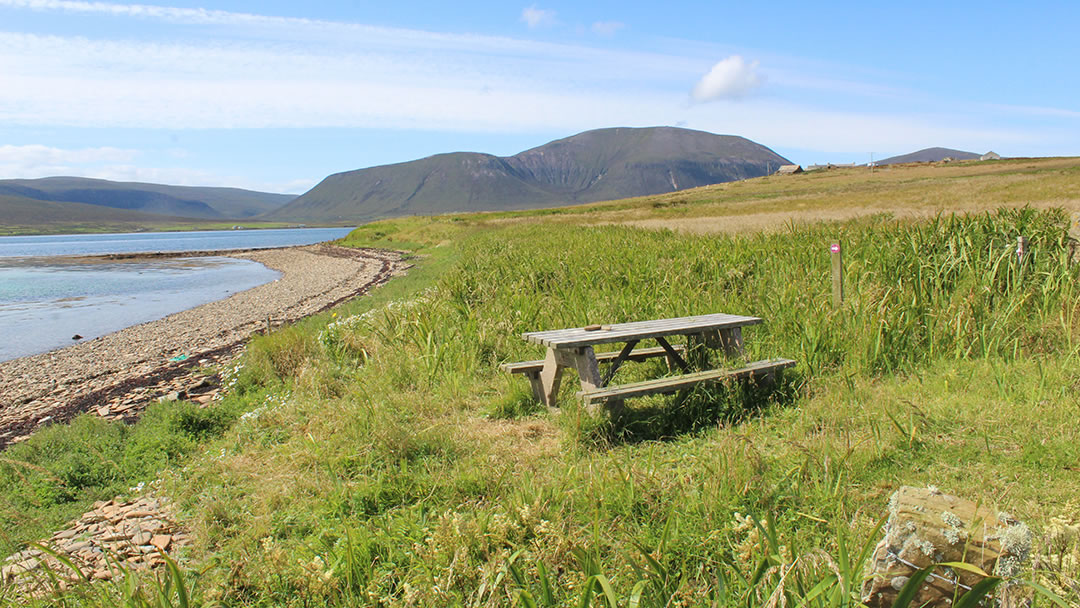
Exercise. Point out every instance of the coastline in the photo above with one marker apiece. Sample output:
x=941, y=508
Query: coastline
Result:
x=117, y=375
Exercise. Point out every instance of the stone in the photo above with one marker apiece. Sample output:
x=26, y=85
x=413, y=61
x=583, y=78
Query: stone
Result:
x=65, y=534
x=926, y=526
x=103, y=411
x=161, y=541
x=141, y=538
x=173, y=396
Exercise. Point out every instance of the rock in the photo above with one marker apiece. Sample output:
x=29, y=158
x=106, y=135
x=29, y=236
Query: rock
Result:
x=161, y=541
x=173, y=396
x=65, y=534
x=76, y=337
x=103, y=411
x=45, y=420
x=926, y=527
x=137, y=513
x=141, y=538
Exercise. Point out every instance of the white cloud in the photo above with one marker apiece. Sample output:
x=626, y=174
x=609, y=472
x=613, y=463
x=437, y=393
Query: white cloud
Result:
x=731, y=78
x=537, y=17
x=252, y=71
x=46, y=155
x=117, y=164
x=607, y=28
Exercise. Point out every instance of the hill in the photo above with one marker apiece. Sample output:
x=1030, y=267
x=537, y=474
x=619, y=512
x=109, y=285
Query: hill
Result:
x=929, y=155
x=592, y=166
x=175, y=201
x=23, y=215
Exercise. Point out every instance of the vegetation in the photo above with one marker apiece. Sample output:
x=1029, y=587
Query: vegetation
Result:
x=596, y=165
x=376, y=456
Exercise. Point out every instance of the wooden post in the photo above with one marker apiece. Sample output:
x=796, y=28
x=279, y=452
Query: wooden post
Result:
x=837, y=274
x=1021, y=248
x=268, y=325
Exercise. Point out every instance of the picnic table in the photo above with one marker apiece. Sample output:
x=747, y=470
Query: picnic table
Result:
x=574, y=349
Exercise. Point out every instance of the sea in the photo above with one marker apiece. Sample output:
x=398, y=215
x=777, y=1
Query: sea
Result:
x=51, y=291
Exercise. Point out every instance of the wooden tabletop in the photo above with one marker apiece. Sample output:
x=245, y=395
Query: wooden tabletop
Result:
x=637, y=330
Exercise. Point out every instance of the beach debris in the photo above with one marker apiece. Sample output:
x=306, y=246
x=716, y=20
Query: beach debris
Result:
x=925, y=527
x=137, y=533
x=178, y=358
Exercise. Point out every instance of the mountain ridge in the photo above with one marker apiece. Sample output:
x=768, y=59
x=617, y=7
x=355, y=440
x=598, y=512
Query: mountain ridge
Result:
x=929, y=155
x=196, y=202
x=602, y=164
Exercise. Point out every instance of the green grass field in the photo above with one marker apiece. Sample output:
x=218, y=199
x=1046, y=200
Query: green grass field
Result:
x=376, y=455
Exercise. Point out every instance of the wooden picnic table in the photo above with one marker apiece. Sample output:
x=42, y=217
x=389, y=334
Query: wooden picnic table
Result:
x=573, y=348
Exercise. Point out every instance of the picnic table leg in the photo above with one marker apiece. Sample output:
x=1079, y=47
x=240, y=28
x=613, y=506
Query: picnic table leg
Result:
x=731, y=341
x=588, y=369
x=537, y=385
x=551, y=378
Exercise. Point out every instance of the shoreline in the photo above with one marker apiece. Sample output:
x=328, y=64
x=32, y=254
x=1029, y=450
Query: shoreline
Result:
x=117, y=375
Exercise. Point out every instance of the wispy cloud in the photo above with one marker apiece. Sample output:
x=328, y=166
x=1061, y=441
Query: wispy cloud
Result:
x=47, y=155
x=607, y=28
x=253, y=71
x=730, y=78
x=118, y=164
x=537, y=17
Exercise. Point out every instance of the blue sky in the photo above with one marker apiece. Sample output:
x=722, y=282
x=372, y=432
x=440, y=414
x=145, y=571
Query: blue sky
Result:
x=276, y=95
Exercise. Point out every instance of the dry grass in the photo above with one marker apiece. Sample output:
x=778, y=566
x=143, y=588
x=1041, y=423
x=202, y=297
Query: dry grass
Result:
x=915, y=191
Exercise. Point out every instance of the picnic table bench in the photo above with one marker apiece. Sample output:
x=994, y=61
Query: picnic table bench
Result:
x=574, y=349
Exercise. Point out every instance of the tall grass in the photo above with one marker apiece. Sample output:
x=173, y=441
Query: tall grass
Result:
x=385, y=461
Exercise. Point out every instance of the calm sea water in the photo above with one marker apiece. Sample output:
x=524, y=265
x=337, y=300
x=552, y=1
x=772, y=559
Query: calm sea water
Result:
x=47, y=296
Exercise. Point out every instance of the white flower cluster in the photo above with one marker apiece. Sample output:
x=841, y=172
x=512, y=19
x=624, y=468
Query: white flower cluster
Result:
x=332, y=335
x=229, y=377
x=272, y=402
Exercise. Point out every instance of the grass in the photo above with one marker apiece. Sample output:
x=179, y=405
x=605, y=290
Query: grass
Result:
x=376, y=456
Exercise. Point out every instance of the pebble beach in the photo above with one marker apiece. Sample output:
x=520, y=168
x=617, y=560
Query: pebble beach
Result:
x=119, y=374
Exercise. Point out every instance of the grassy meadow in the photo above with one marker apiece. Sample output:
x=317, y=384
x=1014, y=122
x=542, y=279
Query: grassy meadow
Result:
x=376, y=456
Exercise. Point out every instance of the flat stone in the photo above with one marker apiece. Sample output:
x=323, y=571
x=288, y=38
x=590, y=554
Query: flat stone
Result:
x=65, y=534
x=161, y=541
x=141, y=538
x=927, y=527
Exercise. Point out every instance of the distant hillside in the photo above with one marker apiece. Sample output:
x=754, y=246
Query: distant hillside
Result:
x=20, y=214
x=592, y=166
x=929, y=155
x=174, y=201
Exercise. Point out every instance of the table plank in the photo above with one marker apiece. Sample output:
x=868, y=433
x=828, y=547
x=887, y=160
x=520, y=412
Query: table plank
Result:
x=637, y=330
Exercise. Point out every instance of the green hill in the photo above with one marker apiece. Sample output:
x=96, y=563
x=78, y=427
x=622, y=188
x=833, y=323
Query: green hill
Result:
x=26, y=215
x=929, y=155
x=592, y=166
x=176, y=201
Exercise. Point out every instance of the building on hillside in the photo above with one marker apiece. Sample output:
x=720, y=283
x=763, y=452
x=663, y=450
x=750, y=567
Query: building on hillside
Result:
x=991, y=155
x=831, y=166
x=789, y=170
